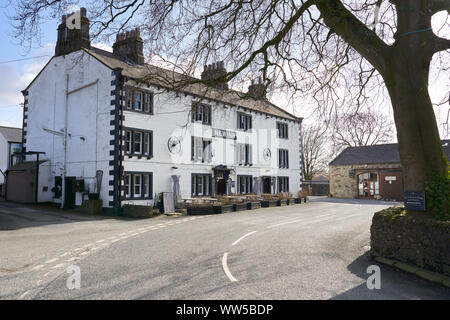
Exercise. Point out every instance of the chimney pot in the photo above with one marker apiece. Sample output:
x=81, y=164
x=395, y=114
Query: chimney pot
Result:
x=70, y=40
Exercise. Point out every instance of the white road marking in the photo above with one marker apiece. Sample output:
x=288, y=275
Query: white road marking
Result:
x=225, y=268
x=100, y=241
x=65, y=254
x=38, y=267
x=244, y=236
x=301, y=219
x=51, y=260
x=57, y=266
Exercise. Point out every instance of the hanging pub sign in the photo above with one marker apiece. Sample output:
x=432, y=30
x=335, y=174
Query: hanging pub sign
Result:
x=414, y=201
x=220, y=133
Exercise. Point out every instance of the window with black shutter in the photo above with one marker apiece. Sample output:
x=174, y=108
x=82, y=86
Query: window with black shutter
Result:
x=244, y=121
x=137, y=185
x=201, y=113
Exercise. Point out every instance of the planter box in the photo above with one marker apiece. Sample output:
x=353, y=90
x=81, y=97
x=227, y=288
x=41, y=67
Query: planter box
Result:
x=200, y=210
x=290, y=201
x=253, y=205
x=298, y=200
x=94, y=196
x=240, y=206
x=137, y=211
x=268, y=203
x=281, y=203
x=223, y=209
x=304, y=199
x=92, y=206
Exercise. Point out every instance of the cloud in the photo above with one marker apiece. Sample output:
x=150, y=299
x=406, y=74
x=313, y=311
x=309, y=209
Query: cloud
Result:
x=103, y=46
x=15, y=78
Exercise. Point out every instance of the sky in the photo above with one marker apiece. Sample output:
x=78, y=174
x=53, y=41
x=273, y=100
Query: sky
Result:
x=16, y=75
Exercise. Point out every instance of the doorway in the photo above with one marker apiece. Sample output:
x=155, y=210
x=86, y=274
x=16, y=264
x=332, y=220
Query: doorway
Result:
x=221, y=188
x=267, y=184
x=69, y=193
x=368, y=185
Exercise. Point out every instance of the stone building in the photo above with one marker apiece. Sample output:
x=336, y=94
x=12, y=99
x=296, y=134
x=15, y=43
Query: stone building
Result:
x=369, y=172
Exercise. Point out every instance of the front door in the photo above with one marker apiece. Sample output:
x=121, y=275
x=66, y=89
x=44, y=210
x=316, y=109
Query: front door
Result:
x=267, y=185
x=69, y=193
x=221, y=186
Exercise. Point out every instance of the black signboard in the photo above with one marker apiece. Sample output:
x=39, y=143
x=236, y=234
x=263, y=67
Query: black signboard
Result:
x=414, y=201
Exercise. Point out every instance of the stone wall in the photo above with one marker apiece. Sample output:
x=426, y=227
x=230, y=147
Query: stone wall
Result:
x=343, y=179
x=412, y=238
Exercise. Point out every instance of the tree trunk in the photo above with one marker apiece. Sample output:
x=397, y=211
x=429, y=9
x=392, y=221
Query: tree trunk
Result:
x=420, y=147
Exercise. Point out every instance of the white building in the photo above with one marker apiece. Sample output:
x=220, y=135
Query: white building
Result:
x=10, y=142
x=92, y=110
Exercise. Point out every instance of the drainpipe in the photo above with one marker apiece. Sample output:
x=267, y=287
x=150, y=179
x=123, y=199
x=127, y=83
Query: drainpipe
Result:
x=66, y=107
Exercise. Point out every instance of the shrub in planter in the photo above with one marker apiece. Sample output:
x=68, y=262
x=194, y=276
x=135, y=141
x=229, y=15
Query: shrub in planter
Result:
x=224, y=208
x=268, y=203
x=94, y=196
x=137, y=211
x=240, y=206
x=253, y=205
x=197, y=209
x=92, y=206
x=291, y=201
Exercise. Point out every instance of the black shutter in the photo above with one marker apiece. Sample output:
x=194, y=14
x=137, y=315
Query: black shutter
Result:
x=250, y=121
x=287, y=159
x=192, y=148
x=151, y=143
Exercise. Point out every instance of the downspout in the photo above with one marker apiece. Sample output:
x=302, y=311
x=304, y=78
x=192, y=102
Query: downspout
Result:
x=66, y=107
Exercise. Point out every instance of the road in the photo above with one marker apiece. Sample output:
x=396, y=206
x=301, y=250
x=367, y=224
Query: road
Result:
x=316, y=250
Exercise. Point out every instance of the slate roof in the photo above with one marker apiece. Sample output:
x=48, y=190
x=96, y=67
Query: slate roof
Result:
x=164, y=78
x=380, y=153
x=11, y=134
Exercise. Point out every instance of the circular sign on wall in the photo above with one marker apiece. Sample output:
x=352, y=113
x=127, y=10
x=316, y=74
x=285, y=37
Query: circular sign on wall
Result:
x=174, y=145
x=267, y=154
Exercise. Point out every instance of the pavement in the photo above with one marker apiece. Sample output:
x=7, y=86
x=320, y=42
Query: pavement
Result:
x=317, y=250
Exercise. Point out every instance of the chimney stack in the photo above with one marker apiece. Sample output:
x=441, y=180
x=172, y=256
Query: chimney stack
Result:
x=73, y=33
x=130, y=45
x=214, y=71
x=257, y=90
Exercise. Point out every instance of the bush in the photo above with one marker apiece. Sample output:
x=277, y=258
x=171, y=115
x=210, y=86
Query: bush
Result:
x=438, y=196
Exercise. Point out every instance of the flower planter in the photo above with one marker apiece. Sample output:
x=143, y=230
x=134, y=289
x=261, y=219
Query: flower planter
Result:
x=253, y=205
x=282, y=203
x=223, y=209
x=290, y=201
x=240, y=206
x=298, y=200
x=137, y=211
x=268, y=203
x=192, y=211
x=93, y=196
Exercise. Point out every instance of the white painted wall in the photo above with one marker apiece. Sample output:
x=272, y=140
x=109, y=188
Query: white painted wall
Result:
x=3, y=157
x=172, y=118
x=88, y=145
x=88, y=119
